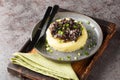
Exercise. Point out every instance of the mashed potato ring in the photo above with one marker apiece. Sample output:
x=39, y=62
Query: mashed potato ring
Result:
x=67, y=46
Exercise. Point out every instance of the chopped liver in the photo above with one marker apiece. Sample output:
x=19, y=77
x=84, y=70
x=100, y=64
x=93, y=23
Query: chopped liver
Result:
x=66, y=29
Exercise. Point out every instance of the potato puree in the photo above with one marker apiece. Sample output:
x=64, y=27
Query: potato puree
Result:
x=67, y=46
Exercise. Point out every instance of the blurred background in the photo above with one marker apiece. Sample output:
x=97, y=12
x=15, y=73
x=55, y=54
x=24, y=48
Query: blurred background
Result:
x=18, y=17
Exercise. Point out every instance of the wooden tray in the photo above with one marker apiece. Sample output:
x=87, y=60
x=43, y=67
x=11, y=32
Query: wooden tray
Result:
x=81, y=68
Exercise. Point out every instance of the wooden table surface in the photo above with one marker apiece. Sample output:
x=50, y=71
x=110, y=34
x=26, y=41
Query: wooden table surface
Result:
x=18, y=17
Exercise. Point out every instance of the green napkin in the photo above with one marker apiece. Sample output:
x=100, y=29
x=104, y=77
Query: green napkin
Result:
x=40, y=64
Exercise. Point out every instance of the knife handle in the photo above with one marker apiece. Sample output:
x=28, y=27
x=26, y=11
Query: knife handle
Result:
x=52, y=15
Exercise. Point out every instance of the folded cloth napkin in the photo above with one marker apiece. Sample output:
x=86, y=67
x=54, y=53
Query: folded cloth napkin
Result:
x=40, y=64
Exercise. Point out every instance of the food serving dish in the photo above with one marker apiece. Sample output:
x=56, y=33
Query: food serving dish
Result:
x=94, y=41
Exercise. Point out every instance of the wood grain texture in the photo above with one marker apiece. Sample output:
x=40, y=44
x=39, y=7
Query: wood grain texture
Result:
x=81, y=68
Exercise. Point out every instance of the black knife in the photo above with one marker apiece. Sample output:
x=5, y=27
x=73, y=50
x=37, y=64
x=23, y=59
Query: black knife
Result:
x=38, y=32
